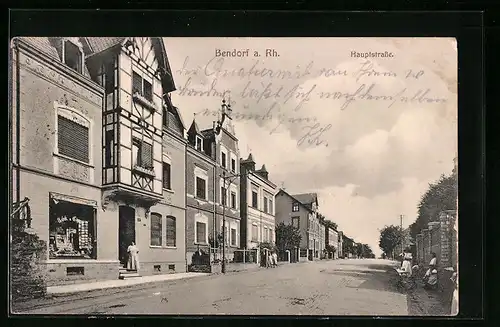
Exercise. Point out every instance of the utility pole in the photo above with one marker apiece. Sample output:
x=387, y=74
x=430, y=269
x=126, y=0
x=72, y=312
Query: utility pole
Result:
x=402, y=234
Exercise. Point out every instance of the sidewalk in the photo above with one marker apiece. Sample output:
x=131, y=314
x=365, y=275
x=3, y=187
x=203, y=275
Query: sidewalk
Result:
x=117, y=283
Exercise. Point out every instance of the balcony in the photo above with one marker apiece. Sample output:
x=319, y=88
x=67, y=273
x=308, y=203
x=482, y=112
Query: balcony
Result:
x=119, y=192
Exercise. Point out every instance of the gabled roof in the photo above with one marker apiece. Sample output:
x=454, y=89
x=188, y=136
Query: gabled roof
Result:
x=296, y=200
x=306, y=198
x=99, y=44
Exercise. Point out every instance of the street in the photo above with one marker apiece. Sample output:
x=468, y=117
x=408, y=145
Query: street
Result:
x=338, y=287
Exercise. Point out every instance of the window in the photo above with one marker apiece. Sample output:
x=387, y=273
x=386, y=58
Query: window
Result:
x=223, y=159
x=142, y=87
x=166, y=176
x=109, y=150
x=223, y=195
x=265, y=205
x=72, y=139
x=72, y=230
x=201, y=188
x=142, y=154
x=254, y=199
x=201, y=232
x=296, y=222
x=73, y=56
x=295, y=207
x=109, y=79
x=233, y=237
x=265, y=234
x=270, y=206
x=156, y=228
x=226, y=235
x=171, y=231
x=199, y=143
x=233, y=200
x=233, y=165
x=255, y=232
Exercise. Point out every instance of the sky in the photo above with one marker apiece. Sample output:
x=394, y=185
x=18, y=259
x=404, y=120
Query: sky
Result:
x=367, y=134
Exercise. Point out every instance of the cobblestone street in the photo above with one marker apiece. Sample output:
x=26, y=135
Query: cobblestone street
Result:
x=340, y=287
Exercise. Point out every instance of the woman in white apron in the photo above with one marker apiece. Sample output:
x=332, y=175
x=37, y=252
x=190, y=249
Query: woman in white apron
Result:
x=133, y=257
x=407, y=259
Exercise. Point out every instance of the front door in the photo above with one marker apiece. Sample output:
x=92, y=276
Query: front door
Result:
x=126, y=231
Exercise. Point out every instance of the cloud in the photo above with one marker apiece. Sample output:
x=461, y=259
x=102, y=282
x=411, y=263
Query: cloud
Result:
x=380, y=155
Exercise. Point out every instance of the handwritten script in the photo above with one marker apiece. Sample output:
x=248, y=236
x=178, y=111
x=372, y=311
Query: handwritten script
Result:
x=288, y=96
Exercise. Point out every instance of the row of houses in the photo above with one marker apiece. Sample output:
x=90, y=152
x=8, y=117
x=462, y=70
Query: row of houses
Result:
x=105, y=159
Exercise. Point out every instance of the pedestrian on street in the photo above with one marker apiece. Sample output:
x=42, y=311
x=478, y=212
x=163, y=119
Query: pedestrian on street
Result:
x=268, y=259
x=133, y=257
x=275, y=259
x=406, y=265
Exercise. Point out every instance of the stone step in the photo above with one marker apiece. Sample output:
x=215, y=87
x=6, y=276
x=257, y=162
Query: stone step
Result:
x=129, y=276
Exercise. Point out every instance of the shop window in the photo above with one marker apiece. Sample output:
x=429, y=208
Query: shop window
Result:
x=156, y=228
x=171, y=231
x=72, y=230
x=72, y=139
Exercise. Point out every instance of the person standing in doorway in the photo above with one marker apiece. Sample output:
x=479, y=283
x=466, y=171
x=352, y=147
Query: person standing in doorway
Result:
x=133, y=257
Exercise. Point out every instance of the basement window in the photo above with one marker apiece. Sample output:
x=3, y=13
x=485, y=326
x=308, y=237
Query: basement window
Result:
x=157, y=268
x=75, y=271
x=171, y=268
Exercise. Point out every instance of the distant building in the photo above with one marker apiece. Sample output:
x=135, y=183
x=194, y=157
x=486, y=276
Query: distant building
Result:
x=257, y=205
x=340, y=244
x=332, y=239
x=300, y=211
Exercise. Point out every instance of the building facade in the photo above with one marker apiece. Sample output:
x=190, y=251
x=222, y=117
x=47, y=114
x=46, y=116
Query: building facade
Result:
x=332, y=239
x=341, y=244
x=258, y=221
x=227, y=185
x=301, y=213
x=200, y=193
x=87, y=116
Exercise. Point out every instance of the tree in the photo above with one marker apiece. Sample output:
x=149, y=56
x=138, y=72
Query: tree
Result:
x=326, y=222
x=347, y=245
x=390, y=237
x=287, y=237
x=366, y=251
x=441, y=195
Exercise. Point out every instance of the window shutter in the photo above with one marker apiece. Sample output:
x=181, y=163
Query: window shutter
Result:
x=136, y=83
x=73, y=139
x=148, y=90
x=147, y=155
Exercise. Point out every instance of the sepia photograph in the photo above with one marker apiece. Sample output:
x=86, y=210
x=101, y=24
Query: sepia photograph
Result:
x=233, y=176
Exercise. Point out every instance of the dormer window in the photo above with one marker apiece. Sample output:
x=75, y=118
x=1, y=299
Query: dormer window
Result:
x=73, y=55
x=199, y=143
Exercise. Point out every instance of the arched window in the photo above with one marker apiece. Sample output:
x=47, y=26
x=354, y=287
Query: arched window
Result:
x=156, y=227
x=171, y=231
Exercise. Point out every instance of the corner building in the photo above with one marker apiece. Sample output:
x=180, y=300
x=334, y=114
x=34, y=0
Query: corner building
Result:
x=91, y=136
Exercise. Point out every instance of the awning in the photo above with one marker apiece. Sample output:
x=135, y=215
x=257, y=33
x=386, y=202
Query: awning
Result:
x=56, y=197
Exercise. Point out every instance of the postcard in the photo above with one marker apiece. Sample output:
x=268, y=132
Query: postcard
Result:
x=234, y=176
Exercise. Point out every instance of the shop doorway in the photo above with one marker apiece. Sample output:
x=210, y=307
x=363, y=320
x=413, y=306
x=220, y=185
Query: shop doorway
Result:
x=126, y=231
